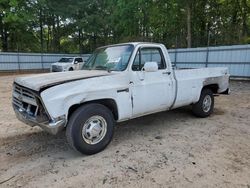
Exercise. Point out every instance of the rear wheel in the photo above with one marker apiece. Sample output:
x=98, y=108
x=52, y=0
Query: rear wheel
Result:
x=204, y=107
x=90, y=128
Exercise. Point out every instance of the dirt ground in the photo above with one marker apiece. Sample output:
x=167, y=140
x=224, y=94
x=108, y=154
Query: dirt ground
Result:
x=168, y=149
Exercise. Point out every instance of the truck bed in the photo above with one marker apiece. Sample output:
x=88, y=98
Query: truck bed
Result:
x=190, y=81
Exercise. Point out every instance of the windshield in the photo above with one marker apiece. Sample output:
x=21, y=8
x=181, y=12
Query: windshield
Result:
x=114, y=58
x=65, y=60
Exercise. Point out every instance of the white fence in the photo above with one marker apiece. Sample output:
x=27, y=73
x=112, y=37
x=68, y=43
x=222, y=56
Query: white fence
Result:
x=236, y=58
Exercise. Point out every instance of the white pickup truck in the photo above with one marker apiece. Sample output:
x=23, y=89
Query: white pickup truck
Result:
x=118, y=83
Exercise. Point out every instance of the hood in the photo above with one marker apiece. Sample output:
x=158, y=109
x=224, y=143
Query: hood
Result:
x=43, y=81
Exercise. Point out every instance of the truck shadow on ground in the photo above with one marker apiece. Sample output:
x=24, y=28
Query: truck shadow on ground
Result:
x=41, y=143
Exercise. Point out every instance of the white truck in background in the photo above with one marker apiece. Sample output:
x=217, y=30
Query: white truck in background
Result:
x=67, y=64
x=117, y=83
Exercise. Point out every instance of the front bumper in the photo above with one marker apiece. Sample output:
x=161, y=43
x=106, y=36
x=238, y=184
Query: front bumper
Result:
x=52, y=127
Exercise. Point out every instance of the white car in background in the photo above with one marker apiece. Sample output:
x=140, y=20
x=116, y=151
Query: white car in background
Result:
x=67, y=64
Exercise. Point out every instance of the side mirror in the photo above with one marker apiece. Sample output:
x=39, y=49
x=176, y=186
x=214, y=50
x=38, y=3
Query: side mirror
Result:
x=174, y=66
x=75, y=62
x=150, y=66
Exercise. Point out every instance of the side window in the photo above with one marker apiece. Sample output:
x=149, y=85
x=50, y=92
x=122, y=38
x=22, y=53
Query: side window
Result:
x=136, y=64
x=79, y=60
x=148, y=55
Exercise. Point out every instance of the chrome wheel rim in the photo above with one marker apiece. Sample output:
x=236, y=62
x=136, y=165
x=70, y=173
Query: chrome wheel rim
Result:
x=207, y=102
x=94, y=130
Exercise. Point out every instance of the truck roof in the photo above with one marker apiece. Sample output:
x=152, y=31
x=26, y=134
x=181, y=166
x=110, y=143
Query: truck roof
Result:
x=72, y=57
x=130, y=43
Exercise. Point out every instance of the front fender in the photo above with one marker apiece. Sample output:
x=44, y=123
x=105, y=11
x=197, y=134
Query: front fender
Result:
x=60, y=98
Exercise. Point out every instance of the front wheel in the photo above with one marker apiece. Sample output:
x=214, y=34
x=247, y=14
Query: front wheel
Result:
x=204, y=107
x=90, y=128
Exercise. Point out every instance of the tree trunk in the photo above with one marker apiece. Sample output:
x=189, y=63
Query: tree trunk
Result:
x=245, y=10
x=48, y=39
x=53, y=33
x=41, y=29
x=79, y=41
x=189, y=40
x=234, y=32
x=5, y=40
x=4, y=35
x=57, y=37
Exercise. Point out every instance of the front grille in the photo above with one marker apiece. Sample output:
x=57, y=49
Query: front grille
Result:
x=25, y=100
x=56, y=68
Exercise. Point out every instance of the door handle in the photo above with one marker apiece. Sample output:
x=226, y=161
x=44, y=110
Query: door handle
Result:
x=167, y=72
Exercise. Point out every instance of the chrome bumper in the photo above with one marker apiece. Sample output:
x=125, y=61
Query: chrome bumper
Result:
x=52, y=127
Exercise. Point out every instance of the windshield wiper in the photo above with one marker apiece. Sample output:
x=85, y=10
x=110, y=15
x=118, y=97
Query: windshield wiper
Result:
x=100, y=67
x=103, y=68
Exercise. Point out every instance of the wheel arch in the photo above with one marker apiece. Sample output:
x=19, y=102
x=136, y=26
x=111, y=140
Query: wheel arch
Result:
x=213, y=87
x=109, y=103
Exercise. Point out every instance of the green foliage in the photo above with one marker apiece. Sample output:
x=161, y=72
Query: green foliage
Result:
x=79, y=26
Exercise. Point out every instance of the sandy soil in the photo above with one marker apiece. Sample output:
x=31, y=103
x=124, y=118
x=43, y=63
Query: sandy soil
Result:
x=169, y=149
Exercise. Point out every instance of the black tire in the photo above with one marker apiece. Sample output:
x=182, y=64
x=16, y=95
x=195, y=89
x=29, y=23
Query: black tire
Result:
x=198, y=109
x=76, y=123
x=71, y=69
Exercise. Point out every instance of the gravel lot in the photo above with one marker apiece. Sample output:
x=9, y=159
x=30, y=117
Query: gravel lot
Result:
x=168, y=149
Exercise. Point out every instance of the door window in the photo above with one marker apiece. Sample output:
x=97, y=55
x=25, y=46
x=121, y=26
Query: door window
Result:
x=79, y=60
x=148, y=55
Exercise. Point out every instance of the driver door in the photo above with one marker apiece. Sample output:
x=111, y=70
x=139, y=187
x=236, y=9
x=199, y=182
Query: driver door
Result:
x=78, y=63
x=151, y=91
